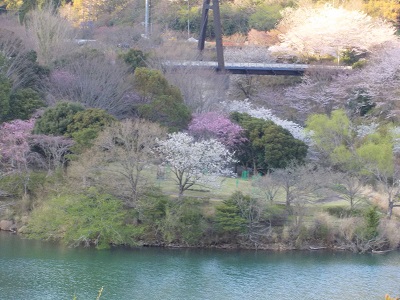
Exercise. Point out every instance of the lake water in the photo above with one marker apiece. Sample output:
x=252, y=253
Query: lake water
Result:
x=36, y=270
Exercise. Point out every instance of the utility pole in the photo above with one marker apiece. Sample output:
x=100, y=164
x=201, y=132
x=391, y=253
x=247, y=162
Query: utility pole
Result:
x=188, y=22
x=146, y=18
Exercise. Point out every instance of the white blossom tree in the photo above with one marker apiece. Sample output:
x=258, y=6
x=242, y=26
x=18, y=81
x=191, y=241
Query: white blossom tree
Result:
x=327, y=30
x=194, y=162
x=266, y=114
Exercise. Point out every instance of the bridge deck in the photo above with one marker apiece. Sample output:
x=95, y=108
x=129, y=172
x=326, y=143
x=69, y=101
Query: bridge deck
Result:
x=251, y=68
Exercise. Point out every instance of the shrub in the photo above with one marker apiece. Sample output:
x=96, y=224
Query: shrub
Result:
x=167, y=111
x=55, y=120
x=372, y=220
x=389, y=229
x=183, y=222
x=134, y=58
x=85, y=126
x=163, y=103
x=343, y=212
x=238, y=214
x=84, y=219
x=321, y=228
x=23, y=104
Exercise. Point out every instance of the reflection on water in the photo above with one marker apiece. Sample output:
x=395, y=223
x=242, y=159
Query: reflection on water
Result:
x=36, y=270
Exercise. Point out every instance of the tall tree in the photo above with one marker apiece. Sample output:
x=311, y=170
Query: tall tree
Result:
x=160, y=101
x=51, y=36
x=330, y=134
x=131, y=145
x=91, y=79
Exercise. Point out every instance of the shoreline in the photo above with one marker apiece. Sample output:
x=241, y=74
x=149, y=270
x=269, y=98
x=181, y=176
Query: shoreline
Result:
x=277, y=247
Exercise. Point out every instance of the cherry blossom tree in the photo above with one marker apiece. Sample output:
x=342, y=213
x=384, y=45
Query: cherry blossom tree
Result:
x=194, y=162
x=14, y=143
x=377, y=83
x=216, y=125
x=15, y=152
x=327, y=30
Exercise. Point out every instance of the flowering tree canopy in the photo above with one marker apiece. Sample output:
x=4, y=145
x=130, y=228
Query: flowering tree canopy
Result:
x=216, y=125
x=19, y=147
x=328, y=30
x=374, y=84
x=193, y=162
x=14, y=143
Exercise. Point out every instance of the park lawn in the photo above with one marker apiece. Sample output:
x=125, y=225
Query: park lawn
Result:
x=228, y=186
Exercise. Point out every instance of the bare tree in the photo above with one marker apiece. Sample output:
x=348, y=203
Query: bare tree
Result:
x=266, y=186
x=17, y=61
x=94, y=81
x=50, y=35
x=53, y=150
x=350, y=187
x=202, y=90
x=299, y=182
x=124, y=150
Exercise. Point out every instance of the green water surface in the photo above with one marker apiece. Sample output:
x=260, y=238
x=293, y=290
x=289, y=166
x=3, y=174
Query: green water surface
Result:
x=37, y=270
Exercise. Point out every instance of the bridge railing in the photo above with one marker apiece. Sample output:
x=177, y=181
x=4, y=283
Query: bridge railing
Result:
x=254, y=68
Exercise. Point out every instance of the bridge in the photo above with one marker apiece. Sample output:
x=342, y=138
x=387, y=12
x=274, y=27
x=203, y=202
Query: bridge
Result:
x=250, y=68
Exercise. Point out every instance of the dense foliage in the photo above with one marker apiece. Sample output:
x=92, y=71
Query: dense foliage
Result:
x=55, y=120
x=84, y=219
x=23, y=103
x=134, y=58
x=163, y=102
x=268, y=145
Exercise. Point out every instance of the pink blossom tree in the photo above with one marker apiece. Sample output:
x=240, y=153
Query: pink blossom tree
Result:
x=322, y=91
x=217, y=126
x=15, y=153
x=14, y=143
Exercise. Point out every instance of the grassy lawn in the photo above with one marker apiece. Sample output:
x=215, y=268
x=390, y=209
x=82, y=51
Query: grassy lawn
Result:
x=227, y=187
x=230, y=185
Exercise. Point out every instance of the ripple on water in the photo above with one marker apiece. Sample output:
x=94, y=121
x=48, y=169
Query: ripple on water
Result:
x=31, y=270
